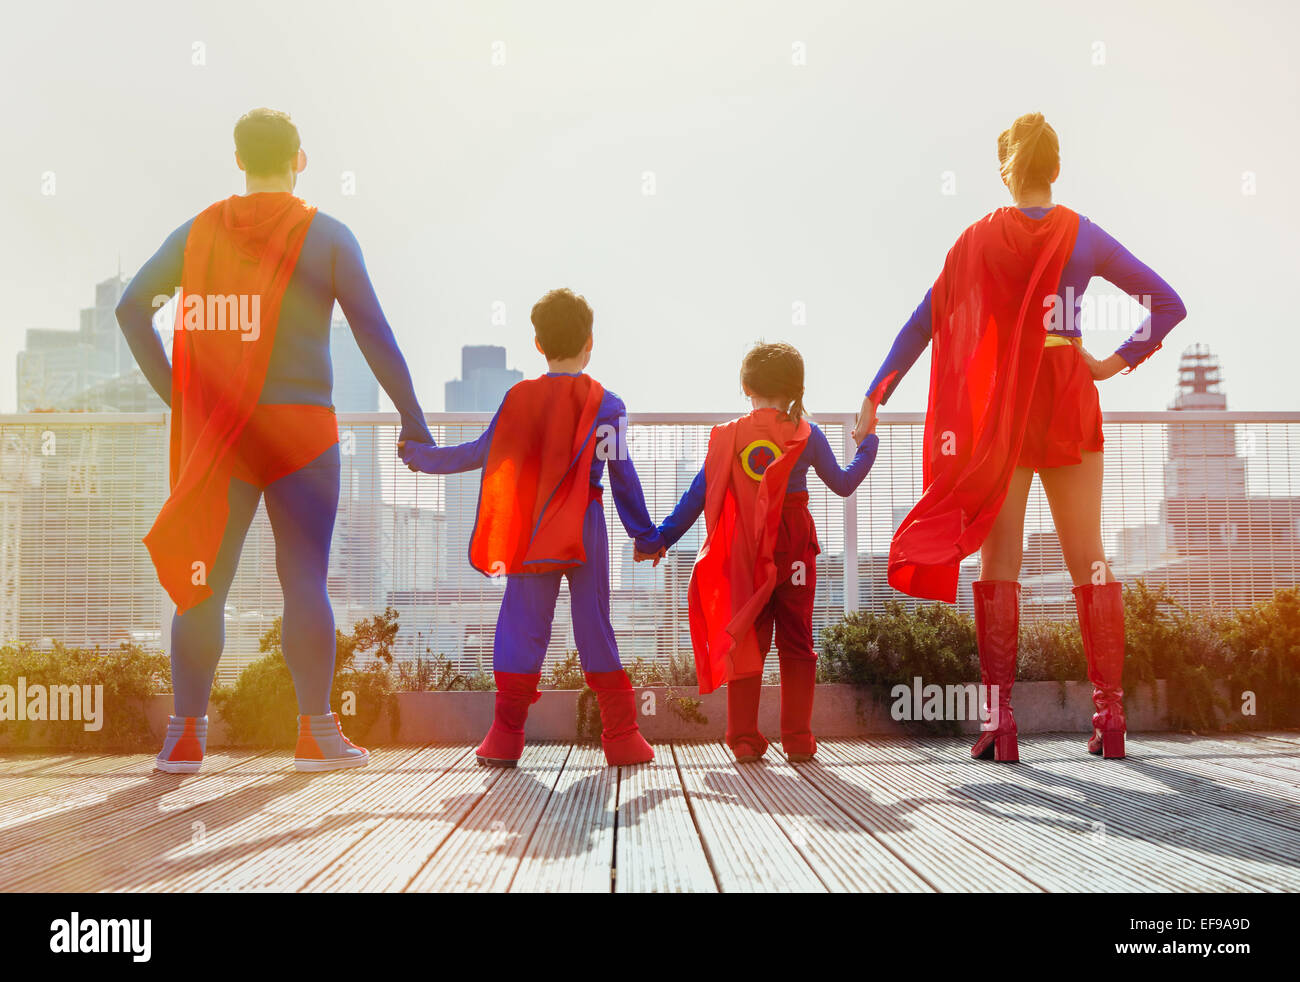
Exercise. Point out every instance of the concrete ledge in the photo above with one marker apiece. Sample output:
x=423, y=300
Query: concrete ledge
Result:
x=838, y=711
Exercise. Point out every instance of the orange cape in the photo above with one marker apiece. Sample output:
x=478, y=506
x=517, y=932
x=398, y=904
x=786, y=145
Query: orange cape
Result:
x=735, y=572
x=239, y=257
x=988, y=310
x=537, y=478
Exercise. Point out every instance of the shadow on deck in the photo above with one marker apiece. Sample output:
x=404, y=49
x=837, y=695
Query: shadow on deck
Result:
x=1179, y=814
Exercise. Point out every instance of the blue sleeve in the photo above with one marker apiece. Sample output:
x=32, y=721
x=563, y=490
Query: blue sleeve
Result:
x=356, y=295
x=687, y=511
x=842, y=481
x=1115, y=264
x=909, y=344
x=629, y=499
x=449, y=460
x=159, y=277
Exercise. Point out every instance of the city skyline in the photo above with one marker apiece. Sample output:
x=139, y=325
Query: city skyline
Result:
x=789, y=174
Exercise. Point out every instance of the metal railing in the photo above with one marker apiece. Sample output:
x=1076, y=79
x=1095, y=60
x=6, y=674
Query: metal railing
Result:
x=1204, y=503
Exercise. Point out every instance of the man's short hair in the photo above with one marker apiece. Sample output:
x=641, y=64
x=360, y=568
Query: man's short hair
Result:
x=267, y=141
x=562, y=320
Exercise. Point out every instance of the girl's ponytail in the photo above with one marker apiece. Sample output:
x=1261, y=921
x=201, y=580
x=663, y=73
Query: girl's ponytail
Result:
x=775, y=371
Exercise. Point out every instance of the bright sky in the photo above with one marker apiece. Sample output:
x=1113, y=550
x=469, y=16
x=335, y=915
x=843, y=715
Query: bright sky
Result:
x=503, y=148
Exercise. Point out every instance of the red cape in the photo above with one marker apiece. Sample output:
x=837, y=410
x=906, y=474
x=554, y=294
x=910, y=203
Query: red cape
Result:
x=242, y=247
x=537, y=478
x=735, y=574
x=988, y=310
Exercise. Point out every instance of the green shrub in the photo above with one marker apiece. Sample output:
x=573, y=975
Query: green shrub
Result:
x=566, y=674
x=261, y=708
x=1256, y=650
x=932, y=641
x=439, y=675
x=1264, y=645
x=130, y=677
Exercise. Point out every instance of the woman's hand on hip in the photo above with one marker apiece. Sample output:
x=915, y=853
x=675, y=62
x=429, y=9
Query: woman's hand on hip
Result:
x=1104, y=369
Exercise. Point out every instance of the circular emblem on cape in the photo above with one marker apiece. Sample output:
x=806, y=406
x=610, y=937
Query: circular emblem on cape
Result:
x=756, y=457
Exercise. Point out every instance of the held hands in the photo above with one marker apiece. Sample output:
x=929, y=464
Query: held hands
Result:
x=412, y=453
x=866, y=423
x=641, y=557
x=654, y=548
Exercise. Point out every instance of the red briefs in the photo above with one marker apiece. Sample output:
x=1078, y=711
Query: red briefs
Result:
x=790, y=609
x=281, y=438
x=1064, y=419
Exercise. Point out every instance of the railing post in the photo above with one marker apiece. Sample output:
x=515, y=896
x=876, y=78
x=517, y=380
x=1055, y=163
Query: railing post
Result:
x=850, y=532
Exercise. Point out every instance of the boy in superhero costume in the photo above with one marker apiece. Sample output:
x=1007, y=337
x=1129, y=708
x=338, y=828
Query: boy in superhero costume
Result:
x=541, y=519
x=249, y=386
x=756, y=574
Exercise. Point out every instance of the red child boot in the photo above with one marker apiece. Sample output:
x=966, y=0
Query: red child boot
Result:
x=504, y=744
x=1101, y=622
x=997, y=632
x=798, y=682
x=620, y=736
x=742, y=719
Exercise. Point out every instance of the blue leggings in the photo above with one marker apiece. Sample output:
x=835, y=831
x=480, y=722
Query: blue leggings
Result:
x=301, y=507
x=528, y=608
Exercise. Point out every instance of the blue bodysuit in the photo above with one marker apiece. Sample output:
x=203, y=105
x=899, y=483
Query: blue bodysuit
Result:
x=528, y=608
x=1095, y=254
x=817, y=454
x=302, y=505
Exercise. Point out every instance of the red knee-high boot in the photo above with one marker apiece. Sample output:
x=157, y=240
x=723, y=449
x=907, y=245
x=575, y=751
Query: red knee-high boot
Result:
x=798, y=680
x=742, y=719
x=997, y=631
x=619, y=736
x=1101, y=622
x=504, y=744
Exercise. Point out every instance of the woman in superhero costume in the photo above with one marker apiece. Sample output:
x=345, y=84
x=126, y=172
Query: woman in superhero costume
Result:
x=1013, y=391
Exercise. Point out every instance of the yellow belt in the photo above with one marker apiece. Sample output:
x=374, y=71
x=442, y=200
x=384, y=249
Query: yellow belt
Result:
x=1056, y=341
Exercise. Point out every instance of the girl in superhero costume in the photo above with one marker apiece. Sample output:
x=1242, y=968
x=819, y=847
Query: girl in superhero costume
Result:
x=1012, y=391
x=756, y=574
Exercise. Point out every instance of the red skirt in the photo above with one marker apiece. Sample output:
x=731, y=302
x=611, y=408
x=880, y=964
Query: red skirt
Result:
x=1064, y=412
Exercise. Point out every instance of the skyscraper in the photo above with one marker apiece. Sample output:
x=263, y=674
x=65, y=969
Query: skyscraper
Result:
x=89, y=369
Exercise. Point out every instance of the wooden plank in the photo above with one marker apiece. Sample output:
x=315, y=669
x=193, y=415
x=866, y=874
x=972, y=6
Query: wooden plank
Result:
x=124, y=862
x=747, y=848
x=1281, y=736
x=844, y=855
x=1203, y=846
x=1054, y=840
x=300, y=835
x=483, y=852
x=932, y=832
x=42, y=761
x=572, y=848
x=1231, y=781
x=389, y=856
x=29, y=796
x=226, y=848
x=657, y=847
x=78, y=826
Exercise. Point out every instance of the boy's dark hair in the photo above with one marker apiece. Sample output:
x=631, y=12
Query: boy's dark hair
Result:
x=562, y=321
x=775, y=371
x=267, y=141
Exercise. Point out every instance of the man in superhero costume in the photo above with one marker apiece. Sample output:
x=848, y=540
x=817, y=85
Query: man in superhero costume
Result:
x=541, y=519
x=249, y=386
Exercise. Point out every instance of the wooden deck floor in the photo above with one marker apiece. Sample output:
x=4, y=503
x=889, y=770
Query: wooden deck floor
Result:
x=1181, y=813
